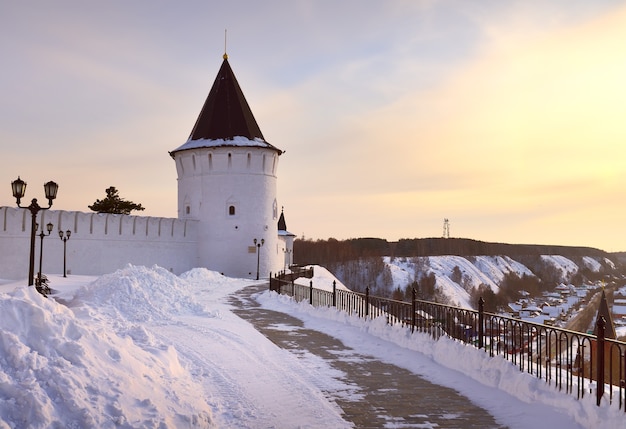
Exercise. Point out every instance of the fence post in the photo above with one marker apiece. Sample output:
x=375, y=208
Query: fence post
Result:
x=311, y=292
x=367, y=301
x=481, y=320
x=271, y=280
x=601, y=325
x=334, y=293
x=293, y=288
x=413, y=309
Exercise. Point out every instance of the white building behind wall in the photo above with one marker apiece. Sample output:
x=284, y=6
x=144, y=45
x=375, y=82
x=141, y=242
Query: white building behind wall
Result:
x=227, y=180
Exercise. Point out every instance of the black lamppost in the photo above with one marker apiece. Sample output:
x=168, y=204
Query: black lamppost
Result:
x=258, y=245
x=64, y=238
x=49, y=227
x=19, y=190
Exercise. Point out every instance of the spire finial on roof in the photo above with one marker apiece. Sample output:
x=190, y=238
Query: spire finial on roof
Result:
x=225, y=56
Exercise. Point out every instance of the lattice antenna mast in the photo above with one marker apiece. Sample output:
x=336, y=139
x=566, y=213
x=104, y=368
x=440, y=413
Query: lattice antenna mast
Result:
x=446, y=228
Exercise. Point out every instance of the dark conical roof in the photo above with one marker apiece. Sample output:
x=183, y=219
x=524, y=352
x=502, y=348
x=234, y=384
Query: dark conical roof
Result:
x=225, y=117
x=282, y=225
x=226, y=112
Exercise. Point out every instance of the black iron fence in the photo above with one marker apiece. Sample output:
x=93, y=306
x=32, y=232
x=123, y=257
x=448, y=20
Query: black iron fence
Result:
x=573, y=362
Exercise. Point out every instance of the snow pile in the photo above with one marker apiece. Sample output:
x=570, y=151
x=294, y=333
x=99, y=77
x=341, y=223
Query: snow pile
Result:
x=141, y=294
x=61, y=369
x=322, y=279
x=143, y=348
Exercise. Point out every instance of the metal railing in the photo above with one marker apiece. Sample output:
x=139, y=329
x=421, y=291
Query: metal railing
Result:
x=573, y=362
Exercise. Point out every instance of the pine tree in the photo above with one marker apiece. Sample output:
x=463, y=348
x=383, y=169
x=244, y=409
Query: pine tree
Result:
x=113, y=203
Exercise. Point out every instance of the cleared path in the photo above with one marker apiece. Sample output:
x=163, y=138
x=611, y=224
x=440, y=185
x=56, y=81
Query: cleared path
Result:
x=388, y=396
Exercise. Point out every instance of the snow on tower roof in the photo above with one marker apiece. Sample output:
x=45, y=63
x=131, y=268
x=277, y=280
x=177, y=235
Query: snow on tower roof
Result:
x=226, y=118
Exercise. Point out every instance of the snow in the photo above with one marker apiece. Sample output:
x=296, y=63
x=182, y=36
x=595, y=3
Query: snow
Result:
x=592, y=264
x=565, y=266
x=142, y=347
x=323, y=279
x=235, y=141
x=475, y=271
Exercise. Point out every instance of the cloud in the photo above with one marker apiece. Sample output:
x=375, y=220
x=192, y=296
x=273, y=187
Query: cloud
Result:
x=526, y=131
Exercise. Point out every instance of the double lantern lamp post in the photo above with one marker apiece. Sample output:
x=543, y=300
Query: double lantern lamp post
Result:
x=19, y=190
x=64, y=238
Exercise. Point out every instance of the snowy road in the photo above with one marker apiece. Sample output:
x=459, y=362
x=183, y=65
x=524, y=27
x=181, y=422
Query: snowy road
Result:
x=247, y=379
x=375, y=394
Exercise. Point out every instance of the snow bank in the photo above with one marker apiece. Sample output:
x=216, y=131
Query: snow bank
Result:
x=62, y=368
x=322, y=279
x=515, y=398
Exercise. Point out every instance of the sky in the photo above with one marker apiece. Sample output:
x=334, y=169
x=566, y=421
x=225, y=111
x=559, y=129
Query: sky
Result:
x=119, y=351
x=504, y=117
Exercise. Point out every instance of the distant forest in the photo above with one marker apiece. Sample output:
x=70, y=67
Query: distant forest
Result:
x=332, y=251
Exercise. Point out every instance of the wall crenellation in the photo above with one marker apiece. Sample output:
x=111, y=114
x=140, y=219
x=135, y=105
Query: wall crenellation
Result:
x=100, y=242
x=16, y=221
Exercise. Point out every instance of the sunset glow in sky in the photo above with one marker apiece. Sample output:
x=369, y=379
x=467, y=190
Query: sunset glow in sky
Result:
x=507, y=118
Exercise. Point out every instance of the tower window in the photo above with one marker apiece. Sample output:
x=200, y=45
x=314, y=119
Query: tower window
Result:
x=231, y=210
x=187, y=210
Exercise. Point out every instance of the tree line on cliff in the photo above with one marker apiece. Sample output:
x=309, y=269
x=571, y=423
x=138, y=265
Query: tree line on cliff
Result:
x=358, y=264
x=330, y=251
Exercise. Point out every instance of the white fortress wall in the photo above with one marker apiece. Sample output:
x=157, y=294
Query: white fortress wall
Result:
x=99, y=243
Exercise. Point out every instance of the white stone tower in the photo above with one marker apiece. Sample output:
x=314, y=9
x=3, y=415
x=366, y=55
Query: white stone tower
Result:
x=227, y=176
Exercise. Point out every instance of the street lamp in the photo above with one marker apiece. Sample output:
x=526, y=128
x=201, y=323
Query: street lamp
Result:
x=287, y=258
x=40, y=287
x=19, y=190
x=64, y=238
x=258, y=245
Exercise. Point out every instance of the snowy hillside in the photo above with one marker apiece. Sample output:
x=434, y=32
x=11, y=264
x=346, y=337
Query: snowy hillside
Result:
x=457, y=276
